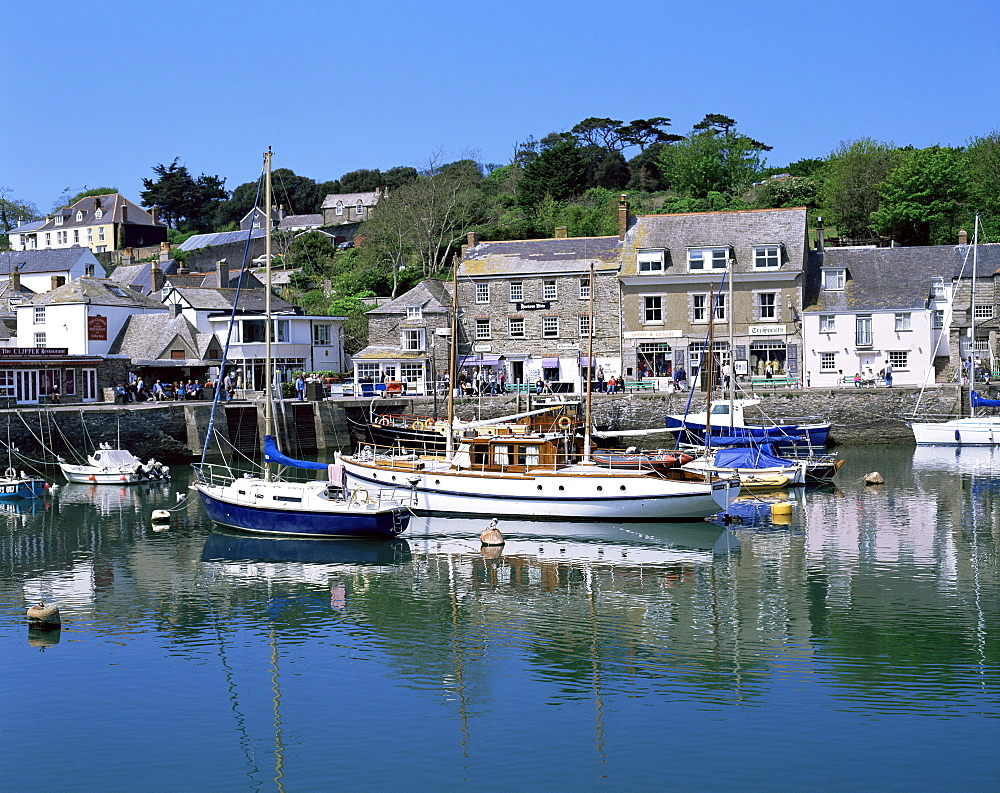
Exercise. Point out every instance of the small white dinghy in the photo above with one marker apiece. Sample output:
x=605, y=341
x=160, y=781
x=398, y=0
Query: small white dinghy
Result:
x=108, y=466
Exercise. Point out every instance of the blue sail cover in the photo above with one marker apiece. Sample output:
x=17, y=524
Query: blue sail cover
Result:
x=983, y=402
x=273, y=455
x=750, y=457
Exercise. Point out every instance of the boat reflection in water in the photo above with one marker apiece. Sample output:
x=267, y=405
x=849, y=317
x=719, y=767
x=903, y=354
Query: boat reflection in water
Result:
x=983, y=460
x=223, y=546
x=605, y=543
x=111, y=499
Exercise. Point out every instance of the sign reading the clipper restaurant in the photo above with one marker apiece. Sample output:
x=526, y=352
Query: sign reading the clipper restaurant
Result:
x=767, y=330
x=97, y=328
x=33, y=352
x=543, y=305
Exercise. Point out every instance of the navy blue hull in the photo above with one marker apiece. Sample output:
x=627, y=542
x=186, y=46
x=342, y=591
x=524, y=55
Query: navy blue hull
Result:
x=29, y=488
x=386, y=523
x=787, y=436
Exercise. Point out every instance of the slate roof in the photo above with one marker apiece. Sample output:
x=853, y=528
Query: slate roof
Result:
x=219, y=238
x=299, y=221
x=96, y=291
x=432, y=296
x=377, y=352
x=49, y=260
x=112, y=205
x=531, y=257
x=28, y=227
x=893, y=278
x=740, y=229
x=368, y=199
x=126, y=275
x=149, y=337
x=7, y=292
x=251, y=300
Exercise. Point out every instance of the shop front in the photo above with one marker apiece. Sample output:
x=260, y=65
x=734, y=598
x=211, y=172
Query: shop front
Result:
x=38, y=375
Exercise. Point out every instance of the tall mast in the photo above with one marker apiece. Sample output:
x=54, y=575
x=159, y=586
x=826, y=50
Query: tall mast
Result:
x=268, y=407
x=590, y=374
x=972, y=314
x=710, y=363
x=732, y=357
x=449, y=442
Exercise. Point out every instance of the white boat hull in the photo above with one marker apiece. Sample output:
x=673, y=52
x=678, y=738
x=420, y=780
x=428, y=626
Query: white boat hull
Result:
x=556, y=495
x=958, y=432
x=89, y=475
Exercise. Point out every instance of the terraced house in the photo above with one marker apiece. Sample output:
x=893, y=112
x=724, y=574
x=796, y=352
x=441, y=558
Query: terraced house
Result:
x=676, y=285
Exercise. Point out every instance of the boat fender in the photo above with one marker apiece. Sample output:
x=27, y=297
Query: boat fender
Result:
x=564, y=422
x=10, y=473
x=383, y=421
x=92, y=478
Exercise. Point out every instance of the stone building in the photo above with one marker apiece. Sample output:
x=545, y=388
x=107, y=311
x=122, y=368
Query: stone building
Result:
x=526, y=308
x=408, y=339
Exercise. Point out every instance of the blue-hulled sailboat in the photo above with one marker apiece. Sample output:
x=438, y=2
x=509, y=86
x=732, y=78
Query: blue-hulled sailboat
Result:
x=268, y=503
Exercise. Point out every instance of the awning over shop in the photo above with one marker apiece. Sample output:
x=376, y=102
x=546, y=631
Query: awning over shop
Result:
x=478, y=359
x=583, y=362
x=550, y=363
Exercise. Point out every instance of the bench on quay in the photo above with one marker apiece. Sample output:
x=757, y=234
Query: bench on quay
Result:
x=519, y=388
x=866, y=382
x=640, y=385
x=783, y=381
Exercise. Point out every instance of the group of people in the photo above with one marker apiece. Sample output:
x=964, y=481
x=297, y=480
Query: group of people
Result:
x=482, y=382
x=973, y=371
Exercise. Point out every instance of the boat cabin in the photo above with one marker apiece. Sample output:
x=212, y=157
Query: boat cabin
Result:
x=511, y=454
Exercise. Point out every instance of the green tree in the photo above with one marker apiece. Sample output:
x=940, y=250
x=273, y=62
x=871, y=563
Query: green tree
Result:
x=849, y=185
x=68, y=200
x=791, y=192
x=922, y=200
x=361, y=181
x=982, y=168
x=559, y=171
x=714, y=157
x=13, y=210
x=312, y=252
x=185, y=202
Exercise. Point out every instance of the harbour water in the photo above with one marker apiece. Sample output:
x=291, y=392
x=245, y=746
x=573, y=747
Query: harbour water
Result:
x=854, y=647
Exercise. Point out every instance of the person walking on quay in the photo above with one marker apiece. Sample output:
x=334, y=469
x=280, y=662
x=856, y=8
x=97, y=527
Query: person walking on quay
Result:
x=888, y=375
x=300, y=388
x=681, y=378
x=600, y=379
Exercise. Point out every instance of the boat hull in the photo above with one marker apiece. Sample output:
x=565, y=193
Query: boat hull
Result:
x=224, y=506
x=814, y=435
x=544, y=496
x=958, y=432
x=14, y=489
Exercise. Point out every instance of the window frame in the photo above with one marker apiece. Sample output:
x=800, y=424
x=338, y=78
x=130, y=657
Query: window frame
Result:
x=839, y=277
x=550, y=327
x=902, y=321
x=701, y=258
x=763, y=253
x=511, y=332
x=38, y=317
x=583, y=325
x=827, y=323
x=414, y=313
x=484, y=329
x=516, y=287
x=413, y=339
x=650, y=261
x=550, y=289
x=652, y=309
x=767, y=311
x=863, y=330
x=482, y=291
x=584, y=287
x=898, y=359
x=827, y=362
x=41, y=340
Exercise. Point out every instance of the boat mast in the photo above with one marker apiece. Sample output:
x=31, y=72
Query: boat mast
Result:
x=731, y=262
x=710, y=363
x=268, y=407
x=972, y=315
x=590, y=374
x=449, y=442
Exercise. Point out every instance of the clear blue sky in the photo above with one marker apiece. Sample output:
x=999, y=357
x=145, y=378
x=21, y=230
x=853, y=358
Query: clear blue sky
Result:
x=97, y=94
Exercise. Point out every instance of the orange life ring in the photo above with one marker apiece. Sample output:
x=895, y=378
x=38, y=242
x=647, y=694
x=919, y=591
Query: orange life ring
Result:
x=429, y=424
x=564, y=422
x=383, y=421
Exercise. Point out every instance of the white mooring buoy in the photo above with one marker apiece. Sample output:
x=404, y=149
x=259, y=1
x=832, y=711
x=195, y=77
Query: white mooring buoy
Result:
x=44, y=617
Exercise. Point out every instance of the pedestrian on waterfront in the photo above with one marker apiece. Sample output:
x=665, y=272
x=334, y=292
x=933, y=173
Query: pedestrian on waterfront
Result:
x=199, y=391
x=808, y=378
x=768, y=371
x=178, y=391
x=54, y=393
x=857, y=379
x=681, y=378
x=502, y=381
x=140, y=389
x=493, y=383
x=300, y=388
x=727, y=376
x=227, y=387
x=600, y=378
x=888, y=375
x=159, y=395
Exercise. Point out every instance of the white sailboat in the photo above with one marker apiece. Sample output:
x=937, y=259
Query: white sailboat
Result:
x=537, y=475
x=266, y=503
x=971, y=430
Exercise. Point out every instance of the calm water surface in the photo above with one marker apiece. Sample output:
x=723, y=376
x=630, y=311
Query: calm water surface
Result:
x=853, y=648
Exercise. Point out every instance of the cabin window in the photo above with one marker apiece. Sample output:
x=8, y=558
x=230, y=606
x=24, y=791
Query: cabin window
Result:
x=79, y=215
x=834, y=280
x=414, y=313
x=340, y=208
x=652, y=308
x=937, y=288
x=98, y=213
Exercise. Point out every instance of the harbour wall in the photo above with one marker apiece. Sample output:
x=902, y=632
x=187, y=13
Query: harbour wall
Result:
x=175, y=432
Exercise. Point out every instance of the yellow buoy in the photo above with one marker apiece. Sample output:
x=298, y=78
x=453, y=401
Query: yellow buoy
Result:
x=781, y=512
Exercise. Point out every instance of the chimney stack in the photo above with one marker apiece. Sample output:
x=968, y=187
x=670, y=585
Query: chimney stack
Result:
x=622, y=216
x=963, y=237
x=154, y=214
x=15, y=280
x=128, y=256
x=124, y=213
x=820, y=239
x=156, y=277
x=164, y=252
x=223, y=270
x=473, y=239
x=562, y=232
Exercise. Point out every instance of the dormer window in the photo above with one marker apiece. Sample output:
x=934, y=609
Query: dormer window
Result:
x=413, y=313
x=650, y=261
x=701, y=259
x=937, y=289
x=767, y=257
x=834, y=279
x=361, y=208
x=340, y=208
x=79, y=215
x=98, y=213
x=59, y=220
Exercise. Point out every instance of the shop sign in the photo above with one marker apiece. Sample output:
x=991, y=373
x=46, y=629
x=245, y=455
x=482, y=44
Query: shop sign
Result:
x=97, y=328
x=767, y=330
x=536, y=306
x=482, y=348
x=33, y=352
x=652, y=334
